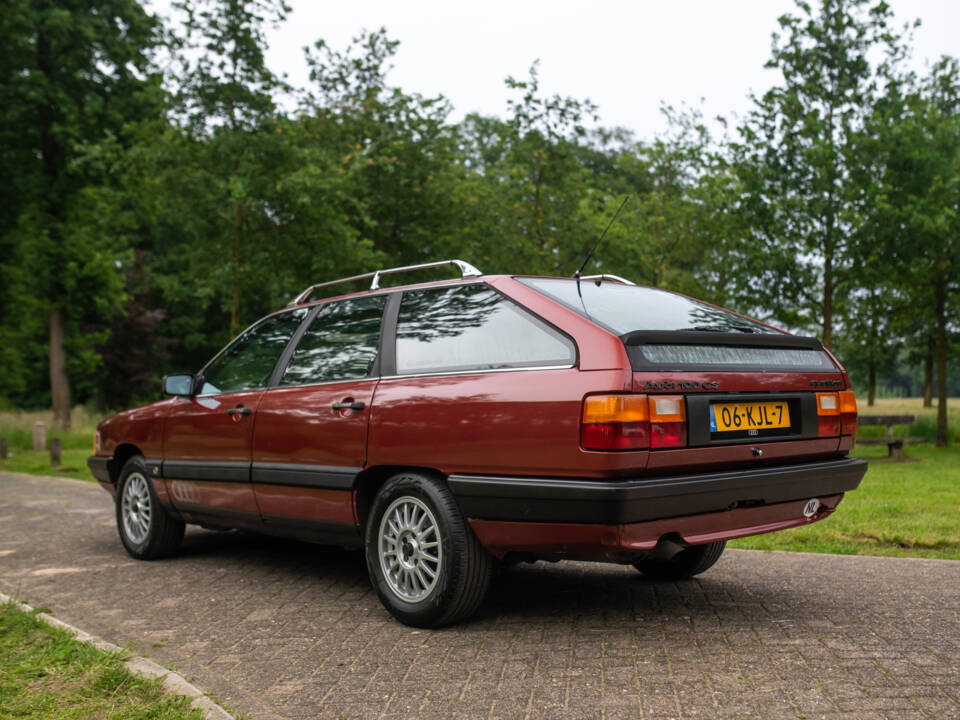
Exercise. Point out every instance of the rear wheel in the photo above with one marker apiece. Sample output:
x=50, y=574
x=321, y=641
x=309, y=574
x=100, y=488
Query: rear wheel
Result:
x=424, y=561
x=686, y=563
x=146, y=530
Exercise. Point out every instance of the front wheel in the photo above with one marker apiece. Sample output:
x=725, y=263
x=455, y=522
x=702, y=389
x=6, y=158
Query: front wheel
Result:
x=686, y=563
x=424, y=561
x=146, y=530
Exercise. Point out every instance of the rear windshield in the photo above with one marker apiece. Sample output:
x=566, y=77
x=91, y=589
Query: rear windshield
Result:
x=625, y=308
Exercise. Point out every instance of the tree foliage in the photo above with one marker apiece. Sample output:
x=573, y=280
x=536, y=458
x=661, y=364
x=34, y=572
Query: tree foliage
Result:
x=151, y=210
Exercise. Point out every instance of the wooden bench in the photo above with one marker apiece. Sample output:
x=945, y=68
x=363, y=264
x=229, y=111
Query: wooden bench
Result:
x=894, y=444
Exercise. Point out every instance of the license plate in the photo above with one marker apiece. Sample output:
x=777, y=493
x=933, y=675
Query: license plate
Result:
x=732, y=417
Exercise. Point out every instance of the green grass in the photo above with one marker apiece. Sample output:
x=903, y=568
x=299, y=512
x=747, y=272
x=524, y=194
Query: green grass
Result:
x=76, y=443
x=905, y=509
x=47, y=675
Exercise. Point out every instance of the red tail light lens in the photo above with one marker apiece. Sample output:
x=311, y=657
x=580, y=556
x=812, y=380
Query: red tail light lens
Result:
x=615, y=422
x=848, y=412
x=828, y=414
x=668, y=421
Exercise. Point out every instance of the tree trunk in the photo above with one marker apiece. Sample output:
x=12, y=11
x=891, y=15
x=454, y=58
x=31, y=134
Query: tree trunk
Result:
x=59, y=383
x=235, y=300
x=928, y=373
x=871, y=384
x=941, y=295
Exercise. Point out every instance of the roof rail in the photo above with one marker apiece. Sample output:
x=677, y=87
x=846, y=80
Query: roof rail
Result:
x=466, y=270
x=608, y=276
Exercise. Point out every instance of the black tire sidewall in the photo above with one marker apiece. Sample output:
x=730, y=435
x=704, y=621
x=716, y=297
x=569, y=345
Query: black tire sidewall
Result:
x=427, y=612
x=138, y=550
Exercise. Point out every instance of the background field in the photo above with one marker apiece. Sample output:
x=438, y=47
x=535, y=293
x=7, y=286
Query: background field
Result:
x=909, y=509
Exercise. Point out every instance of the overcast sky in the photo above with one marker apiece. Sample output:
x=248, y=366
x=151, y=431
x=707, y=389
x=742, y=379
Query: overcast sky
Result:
x=625, y=56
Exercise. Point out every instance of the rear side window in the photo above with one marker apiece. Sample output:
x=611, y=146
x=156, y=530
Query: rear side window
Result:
x=340, y=343
x=472, y=327
x=247, y=363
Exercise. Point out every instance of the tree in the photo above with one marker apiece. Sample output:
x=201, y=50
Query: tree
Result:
x=227, y=98
x=798, y=150
x=73, y=75
x=918, y=159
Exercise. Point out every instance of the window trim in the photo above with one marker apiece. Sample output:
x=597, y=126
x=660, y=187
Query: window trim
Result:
x=291, y=348
x=200, y=374
x=391, y=370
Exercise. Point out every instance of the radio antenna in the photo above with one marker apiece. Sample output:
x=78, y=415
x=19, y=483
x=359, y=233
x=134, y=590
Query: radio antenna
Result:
x=599, y=240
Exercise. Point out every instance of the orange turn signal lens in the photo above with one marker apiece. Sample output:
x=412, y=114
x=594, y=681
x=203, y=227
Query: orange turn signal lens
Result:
x=615, y=422
x=615, y=408
x=848, y=413
x=848, y=402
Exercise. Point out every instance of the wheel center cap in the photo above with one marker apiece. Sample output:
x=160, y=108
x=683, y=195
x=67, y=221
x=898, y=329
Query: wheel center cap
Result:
x=408, y=549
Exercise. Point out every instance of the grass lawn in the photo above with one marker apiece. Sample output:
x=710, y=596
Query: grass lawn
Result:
x=907, y=509
x=76, y=443
x=47, y=675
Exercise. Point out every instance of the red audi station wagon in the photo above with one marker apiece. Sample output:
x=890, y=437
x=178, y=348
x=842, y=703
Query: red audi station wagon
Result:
x=448, y=426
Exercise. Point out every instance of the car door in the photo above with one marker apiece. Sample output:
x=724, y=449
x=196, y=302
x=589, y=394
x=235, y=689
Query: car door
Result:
x=310, y=437
x=208, y=437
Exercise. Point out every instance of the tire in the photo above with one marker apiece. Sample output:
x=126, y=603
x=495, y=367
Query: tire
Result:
x=424, y=561
x=146, y=529
x=685, y=564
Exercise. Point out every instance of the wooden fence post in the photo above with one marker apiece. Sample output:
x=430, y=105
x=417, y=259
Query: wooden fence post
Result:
x=55, y=452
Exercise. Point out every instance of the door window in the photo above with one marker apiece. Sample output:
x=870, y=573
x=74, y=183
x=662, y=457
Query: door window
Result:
x=246, y=364
x=340, y=343
x=473, y=327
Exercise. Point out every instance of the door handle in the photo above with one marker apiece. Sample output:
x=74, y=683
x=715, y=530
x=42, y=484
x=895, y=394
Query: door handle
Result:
x=354, y=405
x=239, y=411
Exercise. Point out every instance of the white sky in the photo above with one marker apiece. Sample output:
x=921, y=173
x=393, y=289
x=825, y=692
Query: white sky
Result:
x=626, y=56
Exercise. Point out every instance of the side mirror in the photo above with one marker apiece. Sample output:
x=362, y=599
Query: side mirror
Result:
x=181, y=384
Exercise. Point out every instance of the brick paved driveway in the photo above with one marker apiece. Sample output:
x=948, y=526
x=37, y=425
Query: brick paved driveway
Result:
x=280, y=629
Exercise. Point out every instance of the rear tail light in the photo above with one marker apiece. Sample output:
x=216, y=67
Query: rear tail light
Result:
x=668, y=421
x=828, y=414
x=633, y=422
x=615, y=422
x=848, y=412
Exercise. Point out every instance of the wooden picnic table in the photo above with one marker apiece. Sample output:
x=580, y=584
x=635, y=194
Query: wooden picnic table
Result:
x=894, y=444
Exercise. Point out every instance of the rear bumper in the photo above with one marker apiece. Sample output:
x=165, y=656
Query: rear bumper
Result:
x=620, y=502
x=627, y=541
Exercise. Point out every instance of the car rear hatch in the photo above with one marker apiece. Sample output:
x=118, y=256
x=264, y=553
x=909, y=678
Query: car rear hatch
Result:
x=741, y=387
x=723, y=389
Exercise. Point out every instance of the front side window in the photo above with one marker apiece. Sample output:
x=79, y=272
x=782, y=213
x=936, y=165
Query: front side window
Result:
x=340, y=343
x=248, y=361
x=473, y=327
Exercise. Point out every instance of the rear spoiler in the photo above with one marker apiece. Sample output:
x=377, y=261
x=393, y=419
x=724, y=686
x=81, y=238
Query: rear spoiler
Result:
x=707, y=337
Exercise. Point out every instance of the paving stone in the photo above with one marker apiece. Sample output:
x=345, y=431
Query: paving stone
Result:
x=283, y=630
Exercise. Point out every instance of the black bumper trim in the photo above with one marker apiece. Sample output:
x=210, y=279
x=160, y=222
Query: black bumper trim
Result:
x=101, y=468
x=642, y=499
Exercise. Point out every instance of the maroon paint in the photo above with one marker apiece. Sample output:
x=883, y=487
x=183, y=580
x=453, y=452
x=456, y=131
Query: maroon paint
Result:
x=735, y=381
x=298, y=425
x=198, y=429
x=583, y=540
x=721, y=456
x=523, y=422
